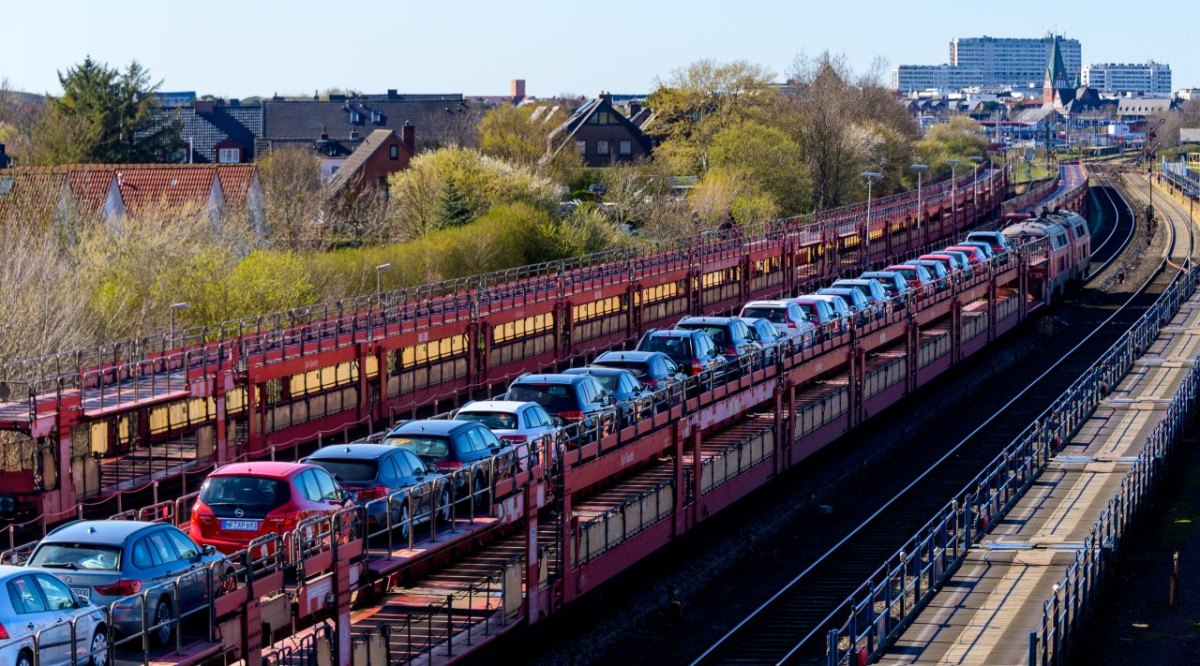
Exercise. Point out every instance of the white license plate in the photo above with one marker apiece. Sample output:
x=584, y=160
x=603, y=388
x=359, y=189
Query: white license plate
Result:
x=240, y=525
x=84, y=593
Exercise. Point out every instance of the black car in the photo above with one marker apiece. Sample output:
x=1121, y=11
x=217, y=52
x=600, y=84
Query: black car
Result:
x=451, y=446
x=573, y=398
x=628, y=394
x=371, y=472
x=654, y=369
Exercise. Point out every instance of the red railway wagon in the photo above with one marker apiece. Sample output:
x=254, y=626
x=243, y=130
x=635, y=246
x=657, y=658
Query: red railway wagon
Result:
x=484, y=575
x=83, y=427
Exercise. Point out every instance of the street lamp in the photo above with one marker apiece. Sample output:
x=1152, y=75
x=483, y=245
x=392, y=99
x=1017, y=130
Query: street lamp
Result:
x=953, y=191
x=870, y=176
x=379, y=280
x=175, y=307
x=920, y=169
x=977, y=160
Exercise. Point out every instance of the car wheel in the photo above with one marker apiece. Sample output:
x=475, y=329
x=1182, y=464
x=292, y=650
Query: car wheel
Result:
x=98, y=652
x=402, y=520
x=25, y=658
x=445, y=506
x=163, y=622
x=483, y=495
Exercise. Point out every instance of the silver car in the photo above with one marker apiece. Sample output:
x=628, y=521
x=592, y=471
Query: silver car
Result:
x=37, y=611
x=105, y=561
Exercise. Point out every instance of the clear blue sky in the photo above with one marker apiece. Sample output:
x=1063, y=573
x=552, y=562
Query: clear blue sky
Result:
x=260, y=47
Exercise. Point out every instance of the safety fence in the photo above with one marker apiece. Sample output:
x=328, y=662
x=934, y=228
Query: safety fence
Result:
x=887, y=602
x=1073, y=597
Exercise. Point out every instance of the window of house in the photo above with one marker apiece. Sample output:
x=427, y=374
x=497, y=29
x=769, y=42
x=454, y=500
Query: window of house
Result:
x=601, y=147
x=626, y=147
x=581, y=146
x=229, y=155
x=393, y=152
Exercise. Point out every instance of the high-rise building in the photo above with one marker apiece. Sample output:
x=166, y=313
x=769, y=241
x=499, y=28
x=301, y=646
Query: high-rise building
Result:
x=1013, y=62
x=942, y=78
x=1151, y=78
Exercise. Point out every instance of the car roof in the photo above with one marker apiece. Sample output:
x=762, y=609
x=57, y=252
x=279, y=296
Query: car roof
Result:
x=880, y=273
x=267, y=468
x=838, y=291
x=353, y=451
x=852, y=281
x=767, y=304
x=552, y=378
x=675, y=332
x=429, y=427
x=639, y=356
x=599, y=371
x=107, y=532
x=510, y=406
x=707, y=321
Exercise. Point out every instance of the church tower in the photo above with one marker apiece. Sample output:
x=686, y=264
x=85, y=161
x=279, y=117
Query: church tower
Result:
x=1056, y=88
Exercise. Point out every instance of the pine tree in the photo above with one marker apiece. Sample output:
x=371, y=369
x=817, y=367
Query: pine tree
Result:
x=453, y=208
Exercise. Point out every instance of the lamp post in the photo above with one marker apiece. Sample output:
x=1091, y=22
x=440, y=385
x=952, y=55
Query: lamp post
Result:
x=953, y=191
x=379, y=280
x=920, y=169
x=175, y=307
x=870, y=176
x=977, y=160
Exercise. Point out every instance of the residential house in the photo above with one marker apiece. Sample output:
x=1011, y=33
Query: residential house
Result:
x=381, y=154
x=601, y=134
x=336, y=127
x=112, y=191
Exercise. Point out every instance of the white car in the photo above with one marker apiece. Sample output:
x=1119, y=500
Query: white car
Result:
x=786, y=317
x=36, y=606
x=517, y=423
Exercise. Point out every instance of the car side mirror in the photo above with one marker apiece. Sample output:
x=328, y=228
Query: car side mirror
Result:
x=557, y=421
x=431, y=469
x=208, y=550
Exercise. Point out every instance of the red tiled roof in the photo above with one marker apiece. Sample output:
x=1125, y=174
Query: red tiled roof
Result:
x=90, y=188
x=236, y=181
x=146, y=185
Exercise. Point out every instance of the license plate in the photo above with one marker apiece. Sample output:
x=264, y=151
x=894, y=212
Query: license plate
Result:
x=240, y=525
x=84, y=593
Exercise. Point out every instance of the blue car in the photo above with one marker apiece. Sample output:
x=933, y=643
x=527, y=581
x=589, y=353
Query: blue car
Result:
x=103, y=561
x=451, y=446
x=372, y=472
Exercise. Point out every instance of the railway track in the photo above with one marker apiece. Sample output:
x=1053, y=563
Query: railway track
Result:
x=790, y=625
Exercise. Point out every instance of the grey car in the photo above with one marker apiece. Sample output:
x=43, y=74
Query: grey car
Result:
x=106, y=560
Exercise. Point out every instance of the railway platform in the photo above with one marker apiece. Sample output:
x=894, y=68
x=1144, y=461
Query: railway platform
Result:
x=1009, y=603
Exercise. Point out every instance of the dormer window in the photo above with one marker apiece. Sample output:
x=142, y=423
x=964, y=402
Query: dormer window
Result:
x=355, y=117
x=376, y=118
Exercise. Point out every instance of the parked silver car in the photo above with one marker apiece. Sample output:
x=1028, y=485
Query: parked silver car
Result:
x=104, y=561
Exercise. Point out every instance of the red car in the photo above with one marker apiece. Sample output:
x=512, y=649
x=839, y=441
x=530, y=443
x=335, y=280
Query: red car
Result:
x=244, y=501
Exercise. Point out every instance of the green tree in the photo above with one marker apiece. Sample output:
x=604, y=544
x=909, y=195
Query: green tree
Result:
x=453, y=208
x=768, y=156
x=961, y=138
x=119, y=107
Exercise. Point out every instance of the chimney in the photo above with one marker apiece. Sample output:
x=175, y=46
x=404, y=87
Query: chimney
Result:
x=607, y=97
x=634, y=108
x=409, y=137
x=516, y=89
x=205, y=106
x=354, y=135
x=324, y=134
x=392, y=93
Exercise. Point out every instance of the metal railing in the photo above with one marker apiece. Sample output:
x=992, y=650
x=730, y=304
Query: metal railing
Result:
x=886, y=603
x=1073, y=597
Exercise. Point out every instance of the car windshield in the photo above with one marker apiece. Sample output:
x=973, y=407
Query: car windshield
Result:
x=349, y=470
x=77, y=556
x=490, y=420
x=671, y=345
x=773, y=315
x=244, y=491
x=554, y=398
x=810, y=310
x=718, y=333
x=427, y=447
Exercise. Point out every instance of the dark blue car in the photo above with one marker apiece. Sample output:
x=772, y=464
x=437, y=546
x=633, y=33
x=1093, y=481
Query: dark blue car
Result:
x=372, y=472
